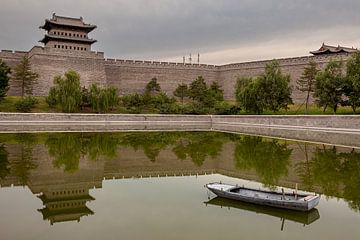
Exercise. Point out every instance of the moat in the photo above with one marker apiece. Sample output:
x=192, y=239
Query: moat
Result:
x=151, y=185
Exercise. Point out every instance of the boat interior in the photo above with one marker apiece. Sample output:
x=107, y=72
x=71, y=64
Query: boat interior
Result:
x=268, y=195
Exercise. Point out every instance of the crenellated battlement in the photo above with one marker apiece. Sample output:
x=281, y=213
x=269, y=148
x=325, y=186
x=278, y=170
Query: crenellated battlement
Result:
x=145, y=63
x=295, y=61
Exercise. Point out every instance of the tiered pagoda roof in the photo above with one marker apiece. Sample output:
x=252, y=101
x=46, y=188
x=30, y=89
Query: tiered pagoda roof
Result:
x=327, y=49
x=67, y=23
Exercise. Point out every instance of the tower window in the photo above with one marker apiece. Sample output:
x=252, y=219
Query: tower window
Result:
x=70, y=47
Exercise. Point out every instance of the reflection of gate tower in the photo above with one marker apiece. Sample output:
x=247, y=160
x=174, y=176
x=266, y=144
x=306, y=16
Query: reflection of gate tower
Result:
x=66, y=203
x=67, y=33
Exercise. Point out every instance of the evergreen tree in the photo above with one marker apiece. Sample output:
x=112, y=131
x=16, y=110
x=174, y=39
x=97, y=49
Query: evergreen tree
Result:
x=352, y=85
x=329, y=85
x=307, y=81
x=4, y=79
x=153, y=87
x=216, y=91
x=181, y=92
x=25, y=77
x=198, y=89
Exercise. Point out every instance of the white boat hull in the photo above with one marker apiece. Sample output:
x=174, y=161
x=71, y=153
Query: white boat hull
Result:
x=300, y=202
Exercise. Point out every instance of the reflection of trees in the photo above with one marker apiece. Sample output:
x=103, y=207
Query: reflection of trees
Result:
x=304, y=170
x=4, y=162
x=336, y=173
x=326, y=167
x=198, y=146
x=350, y=171
x=268, y=158
x=152, y=143
x=100, y=145
x=24, y=163
x=68, y=148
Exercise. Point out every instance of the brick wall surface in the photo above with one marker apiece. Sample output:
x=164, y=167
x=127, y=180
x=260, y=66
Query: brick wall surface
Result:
x=131, y=76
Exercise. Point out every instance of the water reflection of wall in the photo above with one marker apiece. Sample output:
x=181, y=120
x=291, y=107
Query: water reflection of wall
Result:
x=63, y=169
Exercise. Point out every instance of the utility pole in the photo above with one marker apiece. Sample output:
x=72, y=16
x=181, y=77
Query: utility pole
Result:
x=184, y=60
x=198, y=58
x=190, y=59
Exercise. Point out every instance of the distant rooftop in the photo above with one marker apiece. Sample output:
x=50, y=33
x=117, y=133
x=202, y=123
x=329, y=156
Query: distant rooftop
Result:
x=327, y=49
x=67, y=22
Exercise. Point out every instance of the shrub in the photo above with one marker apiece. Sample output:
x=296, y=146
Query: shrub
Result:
x=26, y=104
x=224, y=108
x=51, y=99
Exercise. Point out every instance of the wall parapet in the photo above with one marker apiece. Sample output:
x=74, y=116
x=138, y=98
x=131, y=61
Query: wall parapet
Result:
x=303, y=60
x=113, y=61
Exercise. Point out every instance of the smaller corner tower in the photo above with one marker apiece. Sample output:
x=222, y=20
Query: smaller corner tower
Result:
x=67, y=33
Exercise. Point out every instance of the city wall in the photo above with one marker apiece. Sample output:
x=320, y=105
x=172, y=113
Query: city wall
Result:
x=131, y=76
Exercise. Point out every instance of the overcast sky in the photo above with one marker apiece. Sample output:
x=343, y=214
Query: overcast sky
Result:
x=222, y=31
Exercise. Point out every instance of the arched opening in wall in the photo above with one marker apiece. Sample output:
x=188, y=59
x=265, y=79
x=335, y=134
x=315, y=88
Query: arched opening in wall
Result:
x=62, y=33
x=70, y=47
x=65, y=47
x=62, y=46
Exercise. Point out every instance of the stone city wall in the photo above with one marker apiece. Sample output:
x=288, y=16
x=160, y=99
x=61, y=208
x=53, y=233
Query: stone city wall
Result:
x=131, y=76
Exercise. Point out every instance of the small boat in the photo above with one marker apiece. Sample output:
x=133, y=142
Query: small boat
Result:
x=293, y=201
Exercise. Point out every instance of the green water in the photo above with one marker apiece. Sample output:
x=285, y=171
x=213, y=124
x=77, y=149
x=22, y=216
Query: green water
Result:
x=150, y=186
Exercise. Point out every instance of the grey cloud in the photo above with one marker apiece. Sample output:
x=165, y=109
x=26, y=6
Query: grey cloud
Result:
x=161, y=28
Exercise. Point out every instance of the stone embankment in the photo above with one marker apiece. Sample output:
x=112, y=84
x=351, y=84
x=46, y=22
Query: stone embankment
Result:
x=329, y=129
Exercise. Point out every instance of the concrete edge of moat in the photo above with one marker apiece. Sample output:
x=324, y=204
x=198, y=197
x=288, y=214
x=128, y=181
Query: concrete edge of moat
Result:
x=341, y=130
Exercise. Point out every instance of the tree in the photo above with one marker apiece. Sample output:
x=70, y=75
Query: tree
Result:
x=25, y=77
x=249, y=95
x=152, y=87
x=270, y=90
x=307, y=81
x=216, y=92
x=275, y=87
x=329, y=85
x=352, y=85
x=67, y=91
x=181, y=92
x=102, y=99
x=4, y=79
x=198, y=89
x=4, y=162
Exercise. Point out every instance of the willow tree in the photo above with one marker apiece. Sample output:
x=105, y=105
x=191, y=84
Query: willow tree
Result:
x=67, y=91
